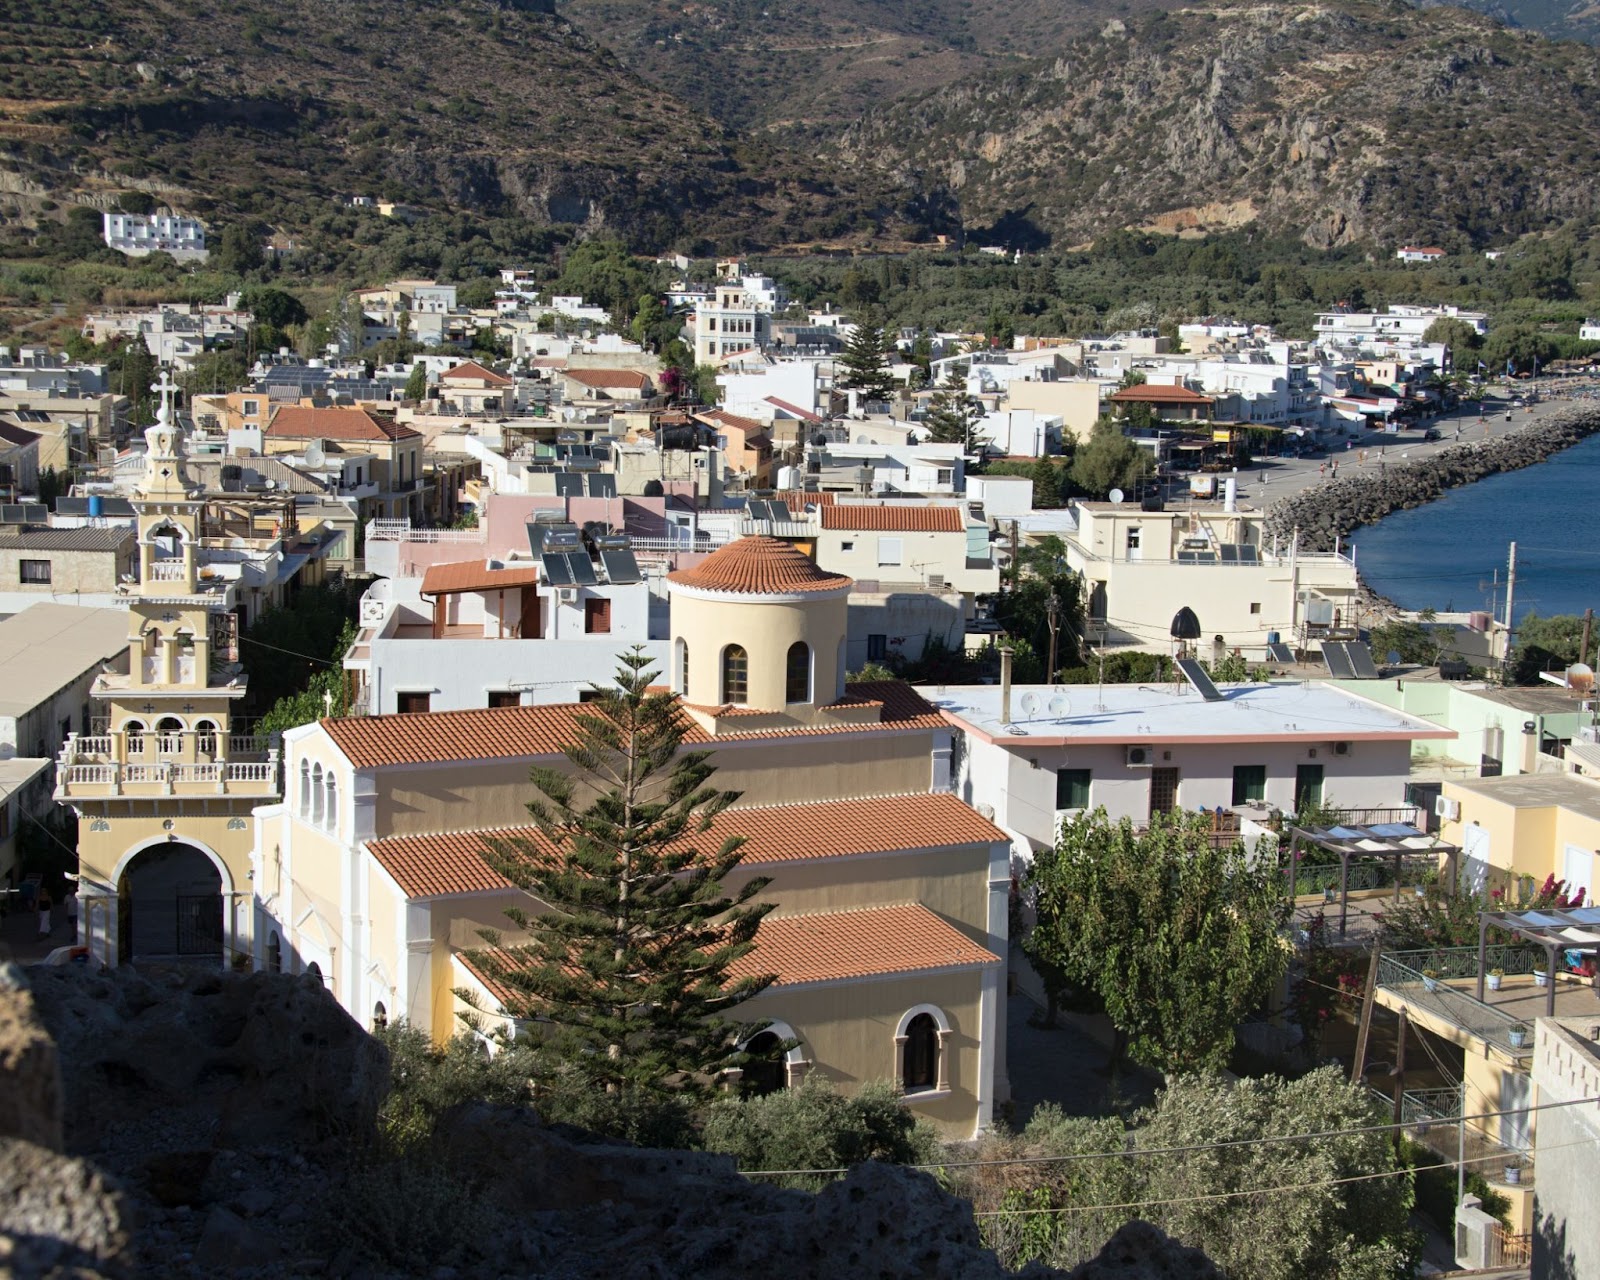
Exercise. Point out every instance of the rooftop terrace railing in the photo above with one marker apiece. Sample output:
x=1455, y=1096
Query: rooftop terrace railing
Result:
x=1454, y=1005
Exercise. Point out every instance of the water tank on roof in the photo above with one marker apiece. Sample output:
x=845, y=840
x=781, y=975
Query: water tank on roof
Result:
x=788, y=477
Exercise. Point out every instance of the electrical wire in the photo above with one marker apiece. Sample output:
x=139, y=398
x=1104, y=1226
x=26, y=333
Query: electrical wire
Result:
x=1257, y=1141
x=262, y=644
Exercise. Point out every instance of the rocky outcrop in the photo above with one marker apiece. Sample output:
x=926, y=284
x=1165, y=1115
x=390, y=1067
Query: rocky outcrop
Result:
x=236, y=1115
x=1329, y=511
x=30, y=1103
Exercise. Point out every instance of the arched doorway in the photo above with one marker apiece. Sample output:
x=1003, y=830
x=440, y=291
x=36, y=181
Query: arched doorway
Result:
x=169, y=903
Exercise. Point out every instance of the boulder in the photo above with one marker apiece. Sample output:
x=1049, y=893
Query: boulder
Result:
x=30, y=1095
x=59, y=1217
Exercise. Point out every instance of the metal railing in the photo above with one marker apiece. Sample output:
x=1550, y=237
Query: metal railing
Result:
x=401, y=531
x=1452, y=1003
x=1462, y=962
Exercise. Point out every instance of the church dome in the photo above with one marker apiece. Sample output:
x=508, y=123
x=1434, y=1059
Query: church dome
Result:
x=759, y=567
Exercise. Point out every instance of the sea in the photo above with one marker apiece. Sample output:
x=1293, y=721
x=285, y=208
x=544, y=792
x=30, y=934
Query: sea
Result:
x=1451, y=555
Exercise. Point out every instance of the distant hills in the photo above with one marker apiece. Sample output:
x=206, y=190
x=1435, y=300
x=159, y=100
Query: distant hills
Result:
x=755, y=123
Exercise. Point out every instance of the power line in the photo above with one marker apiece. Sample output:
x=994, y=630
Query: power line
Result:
x=1184, y=1150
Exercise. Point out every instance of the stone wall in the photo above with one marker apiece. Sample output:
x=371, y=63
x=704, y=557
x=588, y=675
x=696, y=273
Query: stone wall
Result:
x=1332, y=510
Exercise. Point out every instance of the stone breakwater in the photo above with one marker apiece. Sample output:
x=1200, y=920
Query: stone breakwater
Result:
x=1333, y=509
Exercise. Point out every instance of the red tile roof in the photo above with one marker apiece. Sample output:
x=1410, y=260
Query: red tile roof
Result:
x=475, y=575
x=509, y=733
x=872, y=942
x=722, y=418
x=630, y=378
x=894, y=519
x=426, y=866
x=829, y=947
x=793, y=410
x=799, y=500
x=759, y=566
x=472, y=371
x=1145, y=393
x=297, y=422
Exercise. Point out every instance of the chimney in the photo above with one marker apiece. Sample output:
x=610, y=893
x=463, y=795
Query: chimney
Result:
x=1005, y=684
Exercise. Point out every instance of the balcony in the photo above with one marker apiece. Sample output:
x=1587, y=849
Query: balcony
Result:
x=167, y=764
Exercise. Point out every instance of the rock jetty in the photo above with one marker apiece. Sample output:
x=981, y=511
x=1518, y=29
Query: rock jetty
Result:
x=1329, y=511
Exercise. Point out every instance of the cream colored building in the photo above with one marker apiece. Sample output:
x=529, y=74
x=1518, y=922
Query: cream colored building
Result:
x=1140, y=567
x=1525, y=828
x=164, y=794
x=1076, y=401
x=891, y=895
x=931, y=547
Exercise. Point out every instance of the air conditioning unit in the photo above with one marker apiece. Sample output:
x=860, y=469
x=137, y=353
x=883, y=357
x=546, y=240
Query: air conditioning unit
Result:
x=1139, y=757
x=1341, y=748
x=1447, y=807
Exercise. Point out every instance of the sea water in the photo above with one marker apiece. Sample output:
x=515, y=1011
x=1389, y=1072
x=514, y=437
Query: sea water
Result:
x=1451, y=555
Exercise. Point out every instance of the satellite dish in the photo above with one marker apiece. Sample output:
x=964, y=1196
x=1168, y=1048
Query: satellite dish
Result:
x=1059, y=706
x=1392, y=657
x=1030, y=704
x=1115, y=496
x=315, y=455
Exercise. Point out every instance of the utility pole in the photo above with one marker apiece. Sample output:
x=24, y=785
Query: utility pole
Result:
x=1052, y=615
x=1511, y=589
x=1588, y=622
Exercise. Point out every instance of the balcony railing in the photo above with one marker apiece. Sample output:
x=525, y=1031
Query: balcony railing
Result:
x=257, y=778
x=1451, y=1003
x=167, y=571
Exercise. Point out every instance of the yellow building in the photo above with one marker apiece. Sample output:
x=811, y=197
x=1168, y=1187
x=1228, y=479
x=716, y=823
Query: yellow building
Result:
x=891, y=916
x=164, y=793
x=1525, y=827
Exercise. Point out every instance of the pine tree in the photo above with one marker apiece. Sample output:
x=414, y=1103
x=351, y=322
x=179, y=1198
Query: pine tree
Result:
x=627, y=967
x=417, y=382
x=953, y=415
x=864, y=364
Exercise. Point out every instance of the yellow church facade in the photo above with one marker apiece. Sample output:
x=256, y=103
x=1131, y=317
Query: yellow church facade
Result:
x=889, y=933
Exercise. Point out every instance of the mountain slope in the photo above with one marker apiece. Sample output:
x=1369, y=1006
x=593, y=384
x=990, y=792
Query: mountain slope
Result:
x=1339, y=121
x=274, y=108
x=1575, y=20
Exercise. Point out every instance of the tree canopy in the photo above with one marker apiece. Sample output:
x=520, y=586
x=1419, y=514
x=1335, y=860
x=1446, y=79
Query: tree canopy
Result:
x=864, y=364
x=627, y=965
x=1178, y=936
x=1549, y=644
x=1108, y=460
x=953, y=415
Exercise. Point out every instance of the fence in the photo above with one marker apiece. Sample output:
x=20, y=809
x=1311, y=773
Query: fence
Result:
x=1507, y=1250
x=1452, y=1003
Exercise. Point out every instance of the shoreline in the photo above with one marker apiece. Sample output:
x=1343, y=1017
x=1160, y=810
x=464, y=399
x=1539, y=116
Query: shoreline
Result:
x=1337, y=508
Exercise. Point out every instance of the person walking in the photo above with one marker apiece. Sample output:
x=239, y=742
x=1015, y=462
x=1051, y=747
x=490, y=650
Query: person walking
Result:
x=45, y=906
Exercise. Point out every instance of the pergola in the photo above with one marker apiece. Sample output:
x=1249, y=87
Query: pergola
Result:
x=1556, y=929
x=1349, y=840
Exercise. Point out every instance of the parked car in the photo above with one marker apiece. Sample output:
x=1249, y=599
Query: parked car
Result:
x=1432, y=433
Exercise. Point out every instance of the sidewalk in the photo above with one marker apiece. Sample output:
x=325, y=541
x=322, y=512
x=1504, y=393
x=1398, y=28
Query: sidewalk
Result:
x=19, y=934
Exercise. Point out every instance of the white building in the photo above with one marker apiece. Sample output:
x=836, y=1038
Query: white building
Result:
x=140, y=234
x=1400, y=324
x=1418, y=253
x=1035, y=754
x=730, y=323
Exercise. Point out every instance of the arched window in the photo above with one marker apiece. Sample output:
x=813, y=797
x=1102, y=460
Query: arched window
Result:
x=134, y=730
x=380, y=1016
x=331, y=809
x=305, y=788
x=170, y=729
x=316, y=794
x=735, y=675
x=768, y=1072
x=205, y=737
x=274, y=954
x=921, y=1043
x=683, y=666
x=797, y=674
x=314, y=970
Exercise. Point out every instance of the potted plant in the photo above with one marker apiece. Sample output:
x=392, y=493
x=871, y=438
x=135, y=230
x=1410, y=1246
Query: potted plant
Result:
x=1519, y=1036
x=1496, y=976
x=1422, y=891
x=1330, y=894
x=1430, y=979
x=1513, y=1175
x=1541, y=978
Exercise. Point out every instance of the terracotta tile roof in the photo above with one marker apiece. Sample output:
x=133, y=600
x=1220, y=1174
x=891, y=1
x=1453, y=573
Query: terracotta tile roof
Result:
x=799, y=501
x=894, y=519
x=759, y=566
x=298, y=422
x=472, y=371
x=722, y=418
x=475, y=575
x=872, y=942
x=793, y=410
x=1144, y=393
x=426, y=866
x=509, y=733
x=858, y=944
x=630, y=378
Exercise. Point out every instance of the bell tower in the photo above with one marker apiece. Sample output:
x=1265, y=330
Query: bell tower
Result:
x=164, y=792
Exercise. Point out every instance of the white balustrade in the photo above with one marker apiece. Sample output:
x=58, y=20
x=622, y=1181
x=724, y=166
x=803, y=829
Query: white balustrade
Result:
x=170, y=744
x=146, y=772
x=167, y=571
x=197, y=773
x=250, y=772
x=100, y=774
x=96, y=746
x=246, y=744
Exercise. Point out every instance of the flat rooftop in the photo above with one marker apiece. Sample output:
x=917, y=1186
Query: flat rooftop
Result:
x=1086, y=714
x=47, y=646
x=1538, y=791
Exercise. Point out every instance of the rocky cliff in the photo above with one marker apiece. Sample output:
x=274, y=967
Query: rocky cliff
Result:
x=221, y=1125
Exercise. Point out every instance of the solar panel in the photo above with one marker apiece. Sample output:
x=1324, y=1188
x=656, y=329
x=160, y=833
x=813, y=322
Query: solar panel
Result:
x=1247, y=554
x=1361, y=660
x=11, y=513
x=116, y=507
x=602, y=486
x=1196, y=675
x=621, y=567
x=554, y=570
x=1280, y=652
x=1188, y=557
x=582, y=569
x=568, y=485
x=1338, y=660
x=1229, y=553
x=72, y=506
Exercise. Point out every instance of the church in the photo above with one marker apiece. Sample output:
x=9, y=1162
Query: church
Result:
x=889, y=933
